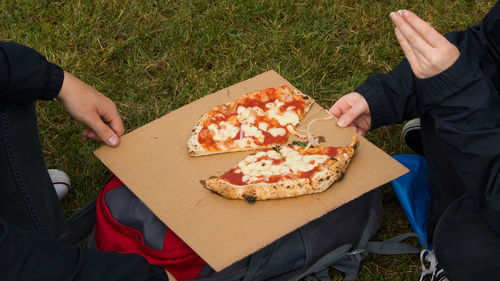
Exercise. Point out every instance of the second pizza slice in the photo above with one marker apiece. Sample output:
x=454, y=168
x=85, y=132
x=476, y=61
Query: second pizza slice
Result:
x=285, y=171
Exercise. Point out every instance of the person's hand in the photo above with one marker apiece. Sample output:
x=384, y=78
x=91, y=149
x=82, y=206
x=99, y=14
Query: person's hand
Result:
x=428, y=52
x=352, y=110
x=92, y=108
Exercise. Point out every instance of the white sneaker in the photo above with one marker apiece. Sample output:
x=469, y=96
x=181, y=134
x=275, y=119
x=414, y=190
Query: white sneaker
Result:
x=61, y=182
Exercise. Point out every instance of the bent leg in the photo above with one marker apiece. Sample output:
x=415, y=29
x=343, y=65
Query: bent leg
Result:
x=28, y=256
x=465, y=246
x=28, y=199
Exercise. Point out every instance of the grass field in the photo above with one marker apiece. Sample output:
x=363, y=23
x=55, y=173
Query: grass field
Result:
x=152, y=57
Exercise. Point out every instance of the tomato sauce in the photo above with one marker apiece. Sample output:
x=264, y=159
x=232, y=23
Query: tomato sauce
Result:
x=298, y=104
x=273, y=179
x=270, y=139
x=274, y=161
x=331, y=151
x=308, y=174
x=205, y=138
x=224, y=117
x=255, y=102
x=232, y=177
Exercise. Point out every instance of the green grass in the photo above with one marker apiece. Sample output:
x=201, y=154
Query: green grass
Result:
x=152, y=57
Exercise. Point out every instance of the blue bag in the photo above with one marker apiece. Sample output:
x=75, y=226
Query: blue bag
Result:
x=412, y=190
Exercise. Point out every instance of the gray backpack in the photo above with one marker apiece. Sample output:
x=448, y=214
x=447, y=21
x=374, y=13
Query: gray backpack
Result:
x=339, y=239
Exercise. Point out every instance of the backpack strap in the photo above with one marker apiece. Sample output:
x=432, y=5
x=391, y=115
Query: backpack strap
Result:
x=347, y=260
x=343, y=258
x=393, y=246
x=259, y=259
x=349, y=264
x=319, y=269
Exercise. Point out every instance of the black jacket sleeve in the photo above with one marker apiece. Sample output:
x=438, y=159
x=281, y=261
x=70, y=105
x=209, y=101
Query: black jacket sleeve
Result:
x=25, y=75
x=390, y=96
x=464, y=102
x=29, y=256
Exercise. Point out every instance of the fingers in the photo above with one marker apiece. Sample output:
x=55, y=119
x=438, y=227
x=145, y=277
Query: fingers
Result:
x=415, y=40
x=405, y=45
x=335, y=109
x=352, y=110
x=413, y=56
x=423, y=28
x=352, y=114
x=90, y=134
x=106, y=123
x=113, y=119
x=428, y=52
x=103, y=132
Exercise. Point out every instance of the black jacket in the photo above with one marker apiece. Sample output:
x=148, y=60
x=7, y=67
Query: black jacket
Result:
x=25, y=75
x=460, y=115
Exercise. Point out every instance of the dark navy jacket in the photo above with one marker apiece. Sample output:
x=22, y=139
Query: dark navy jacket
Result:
x=460, y=115
x=25, y=75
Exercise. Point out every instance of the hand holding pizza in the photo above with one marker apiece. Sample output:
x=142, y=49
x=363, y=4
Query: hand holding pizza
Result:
x=352, y=110
x=428, y=52
x=92, y=108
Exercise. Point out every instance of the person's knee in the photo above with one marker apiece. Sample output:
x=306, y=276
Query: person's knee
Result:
x=465, y=246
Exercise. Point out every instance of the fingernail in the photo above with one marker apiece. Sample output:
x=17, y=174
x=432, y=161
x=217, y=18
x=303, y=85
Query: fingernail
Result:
x=341, y=123
x=405, y=13
x=113, y=140
x=393, y=16
x=400, y=12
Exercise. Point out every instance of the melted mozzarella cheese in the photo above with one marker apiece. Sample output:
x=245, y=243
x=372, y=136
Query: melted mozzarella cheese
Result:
x=277, y=132
x=258, y=167
x=288, y=117
x=245, y=142
x=224, y=131
x=258, y=111
x=275, y=105
x=263, y=126
x=245, y=115
x=273, y=154
x=263, y=168
x=252, y=131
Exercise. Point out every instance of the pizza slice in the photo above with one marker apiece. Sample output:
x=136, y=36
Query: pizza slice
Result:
x=259, y=119
x=284, y=171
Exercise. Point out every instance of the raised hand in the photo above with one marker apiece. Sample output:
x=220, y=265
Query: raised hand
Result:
x=92, y=108
x=352, y=110
x=428, y=52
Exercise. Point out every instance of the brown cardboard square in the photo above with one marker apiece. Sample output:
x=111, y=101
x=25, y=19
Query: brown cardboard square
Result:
x=153, y=162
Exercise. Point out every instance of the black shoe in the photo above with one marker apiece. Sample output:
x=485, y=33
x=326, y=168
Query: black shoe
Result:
x=430, y=265
x=438, y=274
x=81, y=224
x=412, y=136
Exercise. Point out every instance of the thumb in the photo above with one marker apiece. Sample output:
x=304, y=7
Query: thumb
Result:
x=349, y=116
x=104, y=132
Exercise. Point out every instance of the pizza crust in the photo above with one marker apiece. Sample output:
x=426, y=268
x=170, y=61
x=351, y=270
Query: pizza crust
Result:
x=333, y=170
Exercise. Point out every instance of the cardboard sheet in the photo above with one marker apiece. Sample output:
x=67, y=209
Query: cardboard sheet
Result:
x=153, y=162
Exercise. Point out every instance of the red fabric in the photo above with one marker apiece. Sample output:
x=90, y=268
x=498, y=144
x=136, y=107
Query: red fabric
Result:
x=176, y=257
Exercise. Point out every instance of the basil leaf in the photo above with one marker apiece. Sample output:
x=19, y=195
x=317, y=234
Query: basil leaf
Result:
x=299, y=143
x=277, y=149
